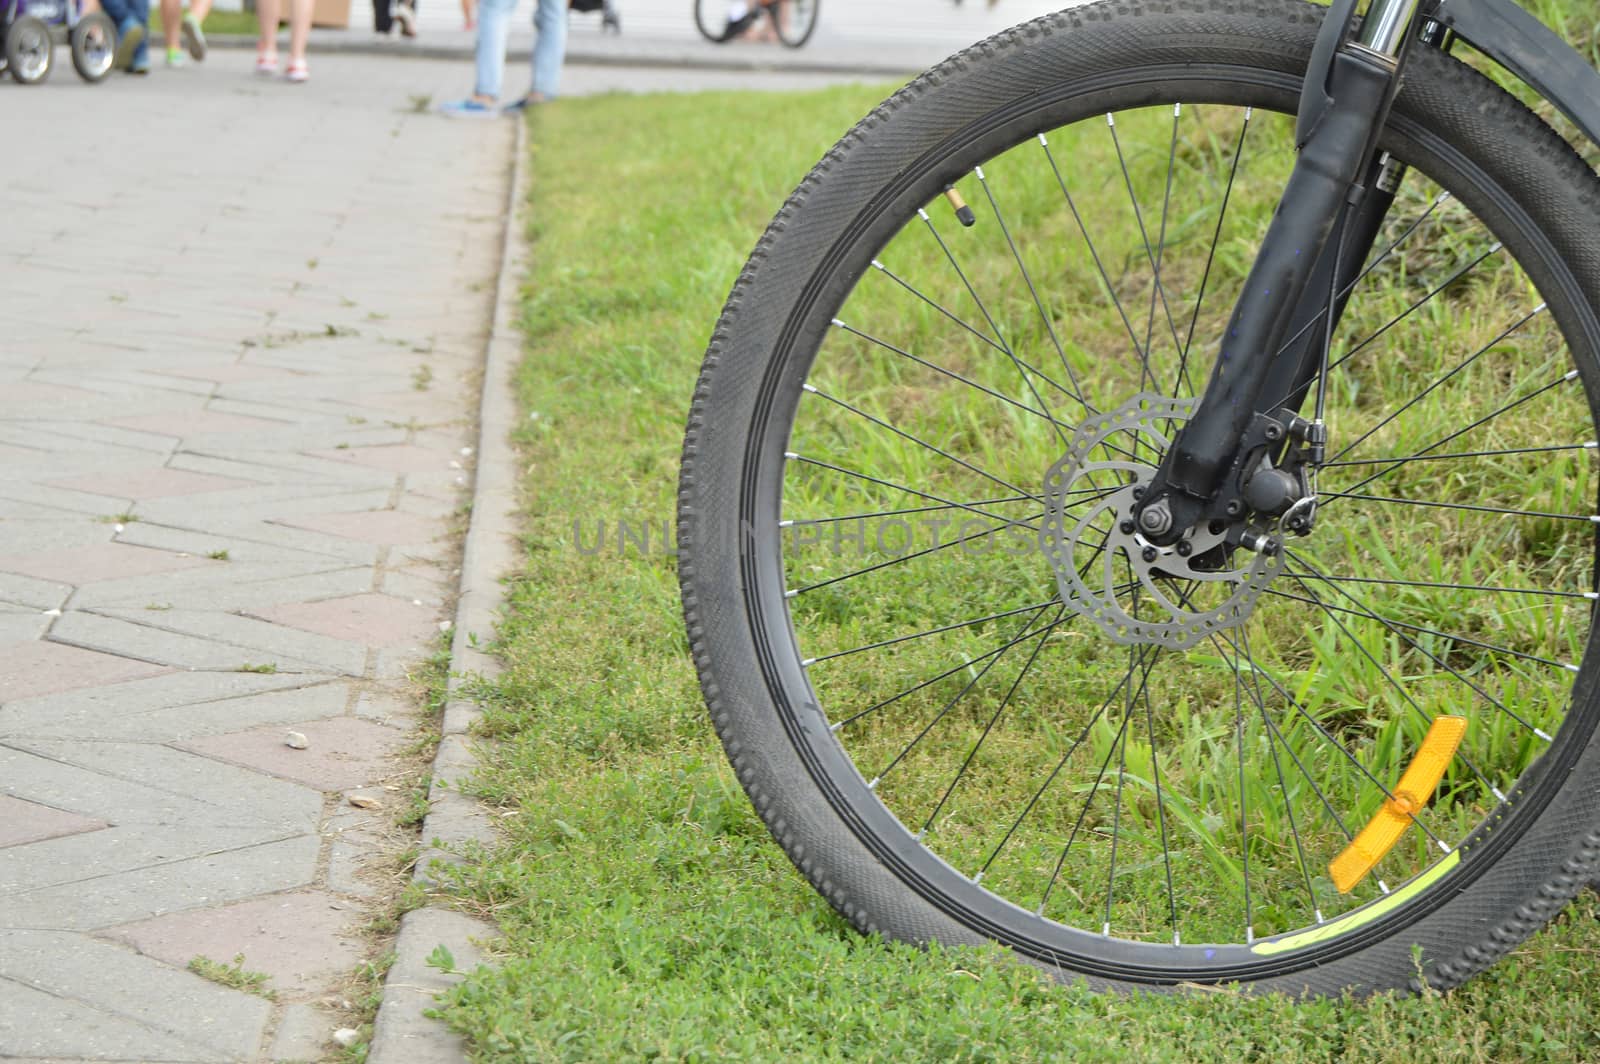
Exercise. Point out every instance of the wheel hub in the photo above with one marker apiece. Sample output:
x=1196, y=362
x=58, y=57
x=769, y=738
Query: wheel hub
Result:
x=1134, y=591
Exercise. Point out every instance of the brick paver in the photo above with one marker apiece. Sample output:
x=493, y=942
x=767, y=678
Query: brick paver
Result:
x=239, y=317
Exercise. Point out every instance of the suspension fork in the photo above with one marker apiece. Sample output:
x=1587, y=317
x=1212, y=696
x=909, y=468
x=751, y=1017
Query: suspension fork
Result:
x=1324, y=227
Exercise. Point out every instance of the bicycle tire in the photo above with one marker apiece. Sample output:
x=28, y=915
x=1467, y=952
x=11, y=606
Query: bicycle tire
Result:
x=709, y=20
x=795, y=27
x=1505, y=877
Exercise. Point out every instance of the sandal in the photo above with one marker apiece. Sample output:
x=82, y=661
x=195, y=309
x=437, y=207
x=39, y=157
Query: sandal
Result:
x=297, y=71
x=266, y=63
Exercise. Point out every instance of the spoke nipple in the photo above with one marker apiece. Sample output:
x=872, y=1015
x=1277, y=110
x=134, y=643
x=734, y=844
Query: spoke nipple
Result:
x=922, y=214
x=977, y=171
x=1572, y=375
x=1541, y=308
x=1499, y=795
x=874, y=786
x=791, y=593
x=1105, y=929
x=790, y=455
x=1319, y=913
x=836, y=726
x=1249, y=112
x=1445, y=846
x=809, y=387
x=1249, y=934
x=876, y=265
x=1571, y=668
x=1043, y=144
x=1176, y=941
x=785, y=524
x=1111, y=119
x=1591, y=445
x=807, y=663
x=1541, y=733
x=978, y=878
x=1383, y=886
x=1177, y=109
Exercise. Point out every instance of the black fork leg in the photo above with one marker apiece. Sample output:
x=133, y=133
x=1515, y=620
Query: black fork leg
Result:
x=1349, y=90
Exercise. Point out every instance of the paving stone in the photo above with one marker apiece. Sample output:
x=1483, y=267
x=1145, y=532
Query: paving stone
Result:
x=230, y=586
x=377, y=526
x=204, y=640
x=344, y=752
x=35, y=668
x=187, y=424
x=304, y=1034
x=104, y=562
x=400, y=458
x=23, y=822
x=106, y=901
x=208, y=712
x=42, y=1028
x=402, y=1032
x=186, y=1017
x=20, y=625
x=117, y=849
x=301, y=940
x=231, y=795
x=372, y=619
x=151, y=484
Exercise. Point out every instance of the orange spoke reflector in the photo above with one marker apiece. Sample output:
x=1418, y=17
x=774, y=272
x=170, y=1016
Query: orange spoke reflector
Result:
x=1401, y=808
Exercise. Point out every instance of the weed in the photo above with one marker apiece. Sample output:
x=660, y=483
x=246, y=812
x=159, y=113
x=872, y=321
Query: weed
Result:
x=233, y=975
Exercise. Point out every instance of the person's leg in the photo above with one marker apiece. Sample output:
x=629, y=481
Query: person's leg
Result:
x=382, y=20
x=267, y=43
x=171, y=19
x=299, y=34
x=139, y=62
x=550, y=50
x=494, y=24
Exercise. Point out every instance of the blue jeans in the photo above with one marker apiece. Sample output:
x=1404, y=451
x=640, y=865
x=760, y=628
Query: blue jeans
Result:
x=127, y=12
x=494, y=22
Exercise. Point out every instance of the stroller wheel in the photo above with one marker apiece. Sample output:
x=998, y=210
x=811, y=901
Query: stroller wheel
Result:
x=29, y=50
x=94, y=45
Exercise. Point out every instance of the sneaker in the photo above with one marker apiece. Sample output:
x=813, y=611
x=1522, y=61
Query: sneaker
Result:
x=130, y=35
x=405, y=18
x=194, y=39
x=140, y=66
x=518, y=106
x=468, y=108
x=175, y=57
x=297, y=72
x=266, y=63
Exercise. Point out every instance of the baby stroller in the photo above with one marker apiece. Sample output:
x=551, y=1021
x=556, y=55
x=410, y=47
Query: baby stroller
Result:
x=30, y=30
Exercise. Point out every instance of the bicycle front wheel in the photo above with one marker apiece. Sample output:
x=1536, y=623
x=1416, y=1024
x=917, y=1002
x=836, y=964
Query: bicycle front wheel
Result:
x=973, y=706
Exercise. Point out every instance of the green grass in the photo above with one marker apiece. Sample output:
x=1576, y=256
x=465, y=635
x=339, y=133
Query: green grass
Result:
x=233, y=975
x=226, y=23
x=646, y=911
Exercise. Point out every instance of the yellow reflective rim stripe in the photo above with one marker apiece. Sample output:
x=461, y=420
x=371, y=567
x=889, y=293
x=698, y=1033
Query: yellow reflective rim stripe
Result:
x=1361, y=916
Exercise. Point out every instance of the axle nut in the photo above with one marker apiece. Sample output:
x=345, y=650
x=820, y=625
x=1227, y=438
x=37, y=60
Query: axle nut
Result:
x=1157, y=518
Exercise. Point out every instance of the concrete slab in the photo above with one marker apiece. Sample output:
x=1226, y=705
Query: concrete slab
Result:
x=343, y=752
x=23, y=822
x=373, y=619
x=301, y=940
x=34, y=668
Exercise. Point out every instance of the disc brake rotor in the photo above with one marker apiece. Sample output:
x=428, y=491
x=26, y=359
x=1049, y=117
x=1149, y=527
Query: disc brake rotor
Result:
x=1131, y=589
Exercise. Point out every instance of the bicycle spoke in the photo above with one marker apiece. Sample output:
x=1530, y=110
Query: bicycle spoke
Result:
x=1181, y=380
x=950, y=705
x=1472, y=507
x=808, y=662
x=1022, y=367
x=1458, y=455
x=960, y=541
x=987, y=728
x=1033, y=292
x=1144, y=235
x=969, y=507
x=1414, y=400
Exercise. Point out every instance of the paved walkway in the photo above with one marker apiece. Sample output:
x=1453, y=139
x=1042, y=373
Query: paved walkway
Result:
x=240, y=328
x=238, y=334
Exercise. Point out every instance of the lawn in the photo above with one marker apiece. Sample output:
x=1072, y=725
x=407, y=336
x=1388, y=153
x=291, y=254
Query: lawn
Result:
x=645, y=909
